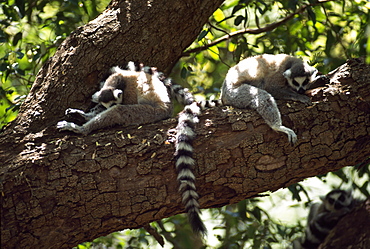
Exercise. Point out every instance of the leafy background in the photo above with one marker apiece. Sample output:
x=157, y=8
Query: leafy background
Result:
x=324, y=33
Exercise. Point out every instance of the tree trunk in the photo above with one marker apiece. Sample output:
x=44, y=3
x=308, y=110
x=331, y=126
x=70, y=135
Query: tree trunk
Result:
x=59, y=189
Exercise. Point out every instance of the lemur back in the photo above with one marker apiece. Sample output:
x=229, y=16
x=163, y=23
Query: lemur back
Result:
x=323, y=217
x=141, y=95
x=257, y=81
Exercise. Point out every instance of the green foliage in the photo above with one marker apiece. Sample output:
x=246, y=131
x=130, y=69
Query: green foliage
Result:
x=127, y=239
x=30, y=32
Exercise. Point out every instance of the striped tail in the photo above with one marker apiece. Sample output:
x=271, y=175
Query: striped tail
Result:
x=181, y=94
x=204, y=104
x=184, y=150
x=185, y=165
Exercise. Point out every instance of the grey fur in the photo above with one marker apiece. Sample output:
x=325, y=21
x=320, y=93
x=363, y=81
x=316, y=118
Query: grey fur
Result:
x=257, y=81
x=130, y=97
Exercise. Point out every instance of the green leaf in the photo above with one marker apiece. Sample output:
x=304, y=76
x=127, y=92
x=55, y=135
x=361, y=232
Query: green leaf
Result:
x=17, y=38
x=257, y=213
x=202, y=34
x=260, y=10
x=184, y=73
x=238, y=20
x=219, y=15
x=19, y=54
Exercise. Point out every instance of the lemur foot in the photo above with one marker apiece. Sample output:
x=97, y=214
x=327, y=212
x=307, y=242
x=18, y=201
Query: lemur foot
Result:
x=69, y=126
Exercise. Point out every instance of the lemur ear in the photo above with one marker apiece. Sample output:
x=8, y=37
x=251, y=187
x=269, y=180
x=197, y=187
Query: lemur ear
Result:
x=95, y=97
x=314, y=75
x=288, y=74
x=348, y=192
x=117, y=93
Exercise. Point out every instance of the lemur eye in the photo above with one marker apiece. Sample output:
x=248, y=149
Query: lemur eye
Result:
x=295, y=83
x=305, y=82
x=331, y=200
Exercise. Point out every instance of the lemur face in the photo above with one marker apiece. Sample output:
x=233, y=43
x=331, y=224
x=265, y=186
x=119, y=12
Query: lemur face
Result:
x=300, y=78
x=109, y=97
x=299, y=84
x=337, y=199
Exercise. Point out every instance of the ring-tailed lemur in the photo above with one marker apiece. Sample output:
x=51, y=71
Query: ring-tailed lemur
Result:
x=256, y=82
x=141, y=95
x=324, y=216
x=130, y=97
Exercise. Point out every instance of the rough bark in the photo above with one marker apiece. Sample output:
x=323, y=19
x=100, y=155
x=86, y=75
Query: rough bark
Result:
x=60, y=189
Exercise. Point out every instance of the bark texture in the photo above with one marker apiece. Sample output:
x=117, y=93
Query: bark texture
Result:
x=63, y=189
x=60, y=189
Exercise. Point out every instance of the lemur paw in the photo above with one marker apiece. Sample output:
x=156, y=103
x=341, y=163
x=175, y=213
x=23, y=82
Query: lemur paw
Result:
x=305, y=100
x=68, y=126
x=71, y=111
x=292, y=137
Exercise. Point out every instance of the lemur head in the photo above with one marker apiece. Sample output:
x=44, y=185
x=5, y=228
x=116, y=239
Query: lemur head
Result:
x=337, y=199
x=108, y=97
x=112, y=89
x=300, y=76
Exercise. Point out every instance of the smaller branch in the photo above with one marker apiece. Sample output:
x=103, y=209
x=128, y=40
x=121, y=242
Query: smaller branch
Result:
x=168, y=236
x=217, y=28
x=152, y=231
x=267, y=28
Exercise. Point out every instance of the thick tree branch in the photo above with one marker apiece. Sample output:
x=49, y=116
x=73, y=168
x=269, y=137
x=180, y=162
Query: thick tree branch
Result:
x=63, y=189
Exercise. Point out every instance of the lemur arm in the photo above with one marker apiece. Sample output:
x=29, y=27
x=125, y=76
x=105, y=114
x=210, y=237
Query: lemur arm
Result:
x=86, y=116
x=120, y=115
x=247, y=96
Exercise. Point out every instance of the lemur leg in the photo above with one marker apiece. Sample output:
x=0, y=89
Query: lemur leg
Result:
x=120, y=115
x=247, y=96
x=72, y=114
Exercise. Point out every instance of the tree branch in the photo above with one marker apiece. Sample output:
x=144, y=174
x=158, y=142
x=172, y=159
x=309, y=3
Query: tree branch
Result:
x=267, y=28
x=63, y=189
